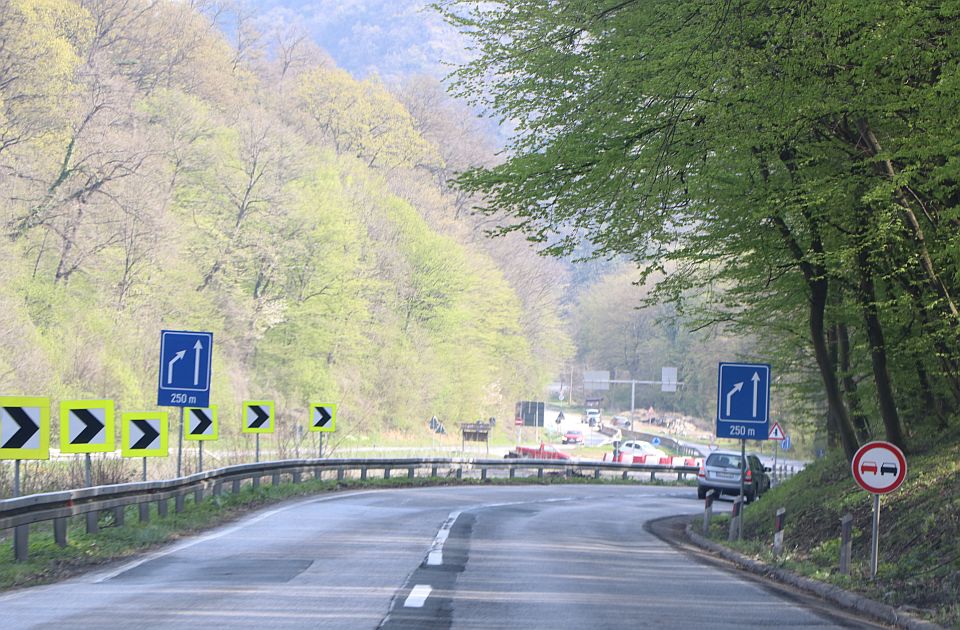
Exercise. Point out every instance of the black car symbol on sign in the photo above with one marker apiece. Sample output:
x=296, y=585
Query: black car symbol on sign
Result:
x=888, y=468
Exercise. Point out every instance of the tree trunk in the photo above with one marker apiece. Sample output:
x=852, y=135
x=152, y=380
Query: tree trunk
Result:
x=878, y=352
x=850, y=386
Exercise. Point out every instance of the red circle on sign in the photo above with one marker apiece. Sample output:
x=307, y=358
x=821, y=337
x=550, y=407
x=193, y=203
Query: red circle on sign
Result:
x=879, y=467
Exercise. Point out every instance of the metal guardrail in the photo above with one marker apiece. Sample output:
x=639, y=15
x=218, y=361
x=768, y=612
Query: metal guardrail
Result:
x=20, y=513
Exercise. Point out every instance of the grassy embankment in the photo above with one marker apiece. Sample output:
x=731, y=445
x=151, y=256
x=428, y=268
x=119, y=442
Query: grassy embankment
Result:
x=919, y=562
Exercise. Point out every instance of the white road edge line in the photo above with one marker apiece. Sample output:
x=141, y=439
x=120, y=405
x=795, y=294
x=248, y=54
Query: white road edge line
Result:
x=418, y=596
x=435, y=555
x=218, y=534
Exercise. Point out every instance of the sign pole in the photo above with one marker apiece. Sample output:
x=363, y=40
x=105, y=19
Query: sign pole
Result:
x=87, y=473
x=200, y=456
x=144, y=468
x=180, y=443
x=875, y=541
x=743, y=474
x=320, y=452
x=258, y=449
x=16, y=478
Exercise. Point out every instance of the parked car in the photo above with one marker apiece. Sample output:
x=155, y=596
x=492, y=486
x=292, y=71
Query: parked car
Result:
x=720, y=472
x=622, y=422
x=573, y=437
x=639, y=447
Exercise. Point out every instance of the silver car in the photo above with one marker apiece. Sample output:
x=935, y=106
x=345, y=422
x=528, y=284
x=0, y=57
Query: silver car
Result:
x=721, y=473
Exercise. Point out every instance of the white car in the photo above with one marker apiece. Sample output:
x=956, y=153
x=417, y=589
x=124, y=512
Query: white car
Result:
x=639, y=447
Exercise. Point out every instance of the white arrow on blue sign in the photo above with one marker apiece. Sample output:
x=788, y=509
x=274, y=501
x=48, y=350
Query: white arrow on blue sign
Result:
x=185, y=363
x=743, y=401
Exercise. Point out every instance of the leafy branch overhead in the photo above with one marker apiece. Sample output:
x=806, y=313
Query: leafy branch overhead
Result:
x=784, y=160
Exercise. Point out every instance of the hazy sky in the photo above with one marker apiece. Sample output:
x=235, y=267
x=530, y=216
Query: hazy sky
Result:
x=391, y=37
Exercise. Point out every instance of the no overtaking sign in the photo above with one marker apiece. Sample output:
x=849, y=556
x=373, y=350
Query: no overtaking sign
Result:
x=879, y=467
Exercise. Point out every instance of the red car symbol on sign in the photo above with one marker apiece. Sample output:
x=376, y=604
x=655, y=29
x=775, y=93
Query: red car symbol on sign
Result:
x=868, y=467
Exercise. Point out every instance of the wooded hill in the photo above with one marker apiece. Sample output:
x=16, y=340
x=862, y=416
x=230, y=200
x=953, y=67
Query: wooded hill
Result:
x=154, y=174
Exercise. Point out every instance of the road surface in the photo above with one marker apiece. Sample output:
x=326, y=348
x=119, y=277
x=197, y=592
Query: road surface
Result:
x=532, y=557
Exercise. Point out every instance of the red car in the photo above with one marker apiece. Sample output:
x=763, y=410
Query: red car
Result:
x=573, y=437
x=544, y=452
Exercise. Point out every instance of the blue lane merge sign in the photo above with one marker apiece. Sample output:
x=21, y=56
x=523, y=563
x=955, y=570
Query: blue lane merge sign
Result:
x=743, y=401
x=184, y=379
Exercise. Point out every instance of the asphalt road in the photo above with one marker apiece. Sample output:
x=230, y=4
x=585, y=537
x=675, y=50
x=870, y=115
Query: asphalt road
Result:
x=531, y=557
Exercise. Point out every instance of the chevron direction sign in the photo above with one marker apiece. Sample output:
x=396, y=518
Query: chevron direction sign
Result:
x=86, y=426
x=200, y=423
x=258, y=416
x=323, y=417
x=24, y=428
x=143, y=434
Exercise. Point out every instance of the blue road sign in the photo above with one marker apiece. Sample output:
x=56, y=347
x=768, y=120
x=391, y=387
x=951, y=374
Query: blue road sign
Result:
x=655, y=441
x=185, y=359
x=785, y=443
x=743, y=401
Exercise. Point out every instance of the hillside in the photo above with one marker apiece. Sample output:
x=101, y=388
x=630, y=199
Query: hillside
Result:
x=154, y=175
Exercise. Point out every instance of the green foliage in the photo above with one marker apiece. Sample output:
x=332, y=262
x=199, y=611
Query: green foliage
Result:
x=783, y=170
x=150, y=179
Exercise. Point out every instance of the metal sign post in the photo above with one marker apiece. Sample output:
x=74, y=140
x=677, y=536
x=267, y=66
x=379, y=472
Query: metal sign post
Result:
x=16, y=478
x=743, y=476
x=878, y=468
x=180, y=443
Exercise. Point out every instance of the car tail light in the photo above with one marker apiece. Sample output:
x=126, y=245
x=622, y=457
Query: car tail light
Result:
x=749, y=476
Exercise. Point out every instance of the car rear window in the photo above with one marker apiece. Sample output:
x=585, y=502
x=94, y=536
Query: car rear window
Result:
x=720, y=460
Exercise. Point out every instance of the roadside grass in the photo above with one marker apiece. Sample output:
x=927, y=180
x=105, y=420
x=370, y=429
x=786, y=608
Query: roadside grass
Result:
x=47, y=562
x=919, y=559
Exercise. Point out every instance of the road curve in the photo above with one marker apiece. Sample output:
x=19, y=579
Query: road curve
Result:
x=529, y=557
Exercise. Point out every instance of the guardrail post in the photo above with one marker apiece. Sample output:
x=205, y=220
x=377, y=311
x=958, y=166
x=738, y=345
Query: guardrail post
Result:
x=318, y=474
x=144, y=512
x=163, y=506
x=433, y=471
x=625, y=473
x=653, y=475
x=93, y=522
x=681, y=476
x=178, y=503
x=735, y=519
x=483, y=474
x=778, y=531
x=386, y=473
x=60, y=531
x=21, y=542
x=198, y=495
x=236, y=486
x=256, y=481
x=340, y=473
x=460, y=472
x=410, y=473
x=708, y=512
x=217, y=488
x=846, y=543
x=363, y=473
x=539, y=473
x=275, y=479
x=596, y=473
x=296, y=476
x=513, y=472
x=118, y=514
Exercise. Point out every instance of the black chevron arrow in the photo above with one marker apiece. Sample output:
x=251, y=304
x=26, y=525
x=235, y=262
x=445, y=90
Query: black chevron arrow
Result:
x=149, y=434
x=324, y=417
x=27, y=428
x=262, y=416
x=92, y=428
x=204, y=422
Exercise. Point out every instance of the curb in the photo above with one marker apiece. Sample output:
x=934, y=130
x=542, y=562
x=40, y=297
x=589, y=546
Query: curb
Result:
x=846, y=599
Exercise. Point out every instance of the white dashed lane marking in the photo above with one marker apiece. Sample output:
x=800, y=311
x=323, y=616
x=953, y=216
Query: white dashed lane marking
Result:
x=418, y=596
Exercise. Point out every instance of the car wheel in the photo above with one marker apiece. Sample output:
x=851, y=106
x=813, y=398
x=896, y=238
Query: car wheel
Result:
x=701, y=492
x=750, y=496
